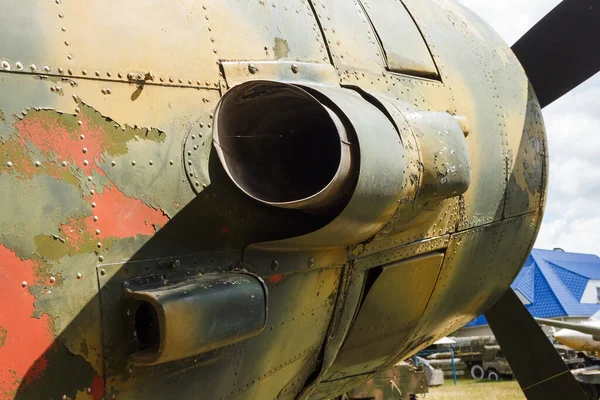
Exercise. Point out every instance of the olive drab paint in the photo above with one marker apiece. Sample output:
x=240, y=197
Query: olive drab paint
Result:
x=111, y=179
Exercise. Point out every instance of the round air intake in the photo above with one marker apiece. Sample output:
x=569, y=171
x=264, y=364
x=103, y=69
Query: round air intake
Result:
x=281, y=146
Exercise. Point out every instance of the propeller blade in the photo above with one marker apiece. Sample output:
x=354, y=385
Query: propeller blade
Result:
x=541, y=372
x=562, y=50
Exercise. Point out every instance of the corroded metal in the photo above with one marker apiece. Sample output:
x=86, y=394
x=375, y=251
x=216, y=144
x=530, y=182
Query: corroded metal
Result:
x=109, y=172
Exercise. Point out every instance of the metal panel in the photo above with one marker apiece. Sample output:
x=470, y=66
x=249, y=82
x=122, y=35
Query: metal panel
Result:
x=405, y=49
x=391, y=309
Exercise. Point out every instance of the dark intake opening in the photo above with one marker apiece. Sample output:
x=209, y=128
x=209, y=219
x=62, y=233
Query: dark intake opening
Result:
x=147, y=328
x=278, y=142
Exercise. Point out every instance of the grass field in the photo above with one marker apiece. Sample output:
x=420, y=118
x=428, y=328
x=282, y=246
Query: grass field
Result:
x=467, y=389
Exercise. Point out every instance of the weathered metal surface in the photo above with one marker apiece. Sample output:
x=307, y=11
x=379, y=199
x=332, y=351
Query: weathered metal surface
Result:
x=397, y=383
x=108, y=172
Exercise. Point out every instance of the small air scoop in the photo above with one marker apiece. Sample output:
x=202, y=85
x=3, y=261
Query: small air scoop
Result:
x=282, y=146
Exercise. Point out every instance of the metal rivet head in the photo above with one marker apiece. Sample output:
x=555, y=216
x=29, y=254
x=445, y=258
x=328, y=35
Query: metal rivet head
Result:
x=90, y=178
x=97, y=73
x=275, y=265
x=101, y=258
x=113, y=163
x=295, y=68
x=93, y=205
x=47, y=68
x=32, y=67
x=9, y=164
x=67, y=43
x=252, y=68
x=61, y=70
x=79, y=275
x=108, y=91
x=52, y=279
x=133, y=162
x=120, y=75
x=84, y=150
x=64, y=163
x=38, y=164
x=170, y=79
x=86, y=163
x=82, y=136
x=60, y=15
x=108, y=73
x=95, y=218
x=103, y=272
x=97, y=231
x=70, y=57
x=70, y=71
x=311, y=262
x=84, y=72
x=19, y=66
x=24, y=284
x=63, y=29
x=89, y=390
x=103, y=91
x=92, y=191
x=79, y=123
x=99, y=245
x=151, y=162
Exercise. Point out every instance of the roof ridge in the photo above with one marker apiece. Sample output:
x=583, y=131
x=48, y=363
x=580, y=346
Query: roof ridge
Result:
x=543, y=263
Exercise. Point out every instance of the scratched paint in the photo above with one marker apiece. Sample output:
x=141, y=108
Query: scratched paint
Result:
x=26, y=339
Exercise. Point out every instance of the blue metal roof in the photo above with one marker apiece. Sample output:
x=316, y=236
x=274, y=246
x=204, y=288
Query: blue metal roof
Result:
x=554, y=282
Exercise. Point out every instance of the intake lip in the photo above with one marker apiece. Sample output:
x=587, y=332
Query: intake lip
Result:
x=281, y=146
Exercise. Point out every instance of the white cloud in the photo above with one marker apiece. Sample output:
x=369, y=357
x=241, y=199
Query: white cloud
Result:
x=572, y=219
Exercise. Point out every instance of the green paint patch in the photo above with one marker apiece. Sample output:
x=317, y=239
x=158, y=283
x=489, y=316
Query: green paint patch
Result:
x=3, y=334
x=281, y=48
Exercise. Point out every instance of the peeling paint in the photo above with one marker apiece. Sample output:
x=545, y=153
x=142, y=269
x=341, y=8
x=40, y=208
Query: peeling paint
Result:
x=22, y=355
x=281, y=48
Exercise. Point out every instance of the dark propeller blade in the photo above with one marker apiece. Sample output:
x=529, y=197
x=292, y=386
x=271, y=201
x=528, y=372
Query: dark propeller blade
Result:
x=562, y=50
x=541, y=372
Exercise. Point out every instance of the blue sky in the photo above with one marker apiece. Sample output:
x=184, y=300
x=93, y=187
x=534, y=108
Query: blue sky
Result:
x=572, y=218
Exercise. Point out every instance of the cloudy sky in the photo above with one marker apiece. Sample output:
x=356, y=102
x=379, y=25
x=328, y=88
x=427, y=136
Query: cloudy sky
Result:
x=572, y=219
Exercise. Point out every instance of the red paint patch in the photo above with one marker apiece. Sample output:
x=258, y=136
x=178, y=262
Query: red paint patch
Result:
x=27, y=338
x=52, y=138
x=275, y=278
x=97, y=388
x=116, y=215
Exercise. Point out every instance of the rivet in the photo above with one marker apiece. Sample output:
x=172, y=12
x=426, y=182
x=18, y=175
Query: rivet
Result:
x=201, y=125
x=84, y=150
x=180, y=80
x=47, y=68
x=171, y=162
x=189, y=153
x=252, y=68
x=198, y=82
x=294, y=68
x=151, y=162
x=79, y=275
x=99, y=245
x=63, y=29
x=189, y=81
x=108, y=91
x=133, y=162
x=97, y=231
x=311, y=262
x=67, y=43
x=64, y=397
x=60, y=15
x=64, y=163
x=103, y=272
x=52, y=279
x=83, y=71
x=37, y=163
x=52, y=88
x=108, y=74
x=61, y=70
x=89, y=390
x=92, y=191
x=204, y=185
x=32, y=67
x=95, y=218
x=103, y=91
x=197, y=183
x=82, y=136
x=275, y=265
x=70, y=71
x=90, y=178
x=97, y=73
x=24, y=284
x=19, y=65
x=120, y=75
x=114, y=396
x=70, y=57
x=196, y=147
x=191, y=174
x=207, y=83
x=79, y=123
x=93, y=205
x=9, y=164
x=86, y=163
x=77, y=110
x=170, y=79
x=113, y=163
x=101, y=258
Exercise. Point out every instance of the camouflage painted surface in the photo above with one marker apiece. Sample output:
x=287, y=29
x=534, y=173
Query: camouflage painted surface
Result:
x=108, y=173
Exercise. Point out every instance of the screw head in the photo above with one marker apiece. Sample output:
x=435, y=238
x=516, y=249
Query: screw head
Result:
x=274, y=265
x=295, y=68
x=102, y=271
x=252, y=68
